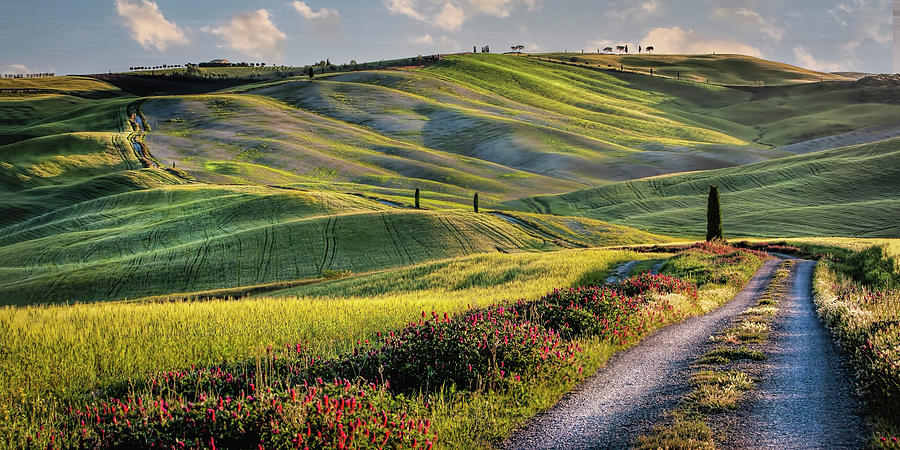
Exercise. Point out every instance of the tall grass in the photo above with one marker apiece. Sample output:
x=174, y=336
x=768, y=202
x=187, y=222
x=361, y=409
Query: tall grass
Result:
x=865, y=319
x=53, y=353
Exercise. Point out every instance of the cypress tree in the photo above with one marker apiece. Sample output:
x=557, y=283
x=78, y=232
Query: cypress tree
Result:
x=311, y=73
x=417, y=198
x=713, y=216
x=475, y=202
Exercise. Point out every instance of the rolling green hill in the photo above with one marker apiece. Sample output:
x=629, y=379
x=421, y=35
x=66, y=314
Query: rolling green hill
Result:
x=507, y=126
x=849, y=191
x=284, y=181
x=193, y=238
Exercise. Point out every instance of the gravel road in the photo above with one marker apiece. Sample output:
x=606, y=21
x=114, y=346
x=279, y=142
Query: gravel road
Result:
x=805, y=399
x=624, y=398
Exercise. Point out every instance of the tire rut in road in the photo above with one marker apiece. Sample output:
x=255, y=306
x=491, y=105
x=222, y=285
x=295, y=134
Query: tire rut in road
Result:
x=624, y=398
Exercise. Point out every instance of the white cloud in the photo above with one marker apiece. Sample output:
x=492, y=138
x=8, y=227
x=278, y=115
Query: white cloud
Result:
x=451, y=17
x=308, y=13
x=442, y=44
x=866, y=20
x=451, y=14
x=679, y=40
x=532, y=47
x=875, y=31
x=448, y=45
x=253, y=34
x=806, y=60
x=423, y=40
x=749, y=18
x=148, y=26
x=501, y=8
x=404, y=7
x=17, y=68
x=630, y=11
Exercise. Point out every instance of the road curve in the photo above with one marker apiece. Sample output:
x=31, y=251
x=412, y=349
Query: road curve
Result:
x=805, y=398
x=624, y=398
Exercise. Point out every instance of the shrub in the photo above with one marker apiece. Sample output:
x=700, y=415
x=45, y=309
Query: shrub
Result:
x=873, y=267
x=338, y=414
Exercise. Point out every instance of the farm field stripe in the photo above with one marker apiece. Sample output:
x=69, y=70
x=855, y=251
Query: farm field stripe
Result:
x=615, y=405
x=805, y=382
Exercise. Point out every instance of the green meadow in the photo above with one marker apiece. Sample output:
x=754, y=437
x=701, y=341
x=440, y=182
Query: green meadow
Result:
x=280, y=211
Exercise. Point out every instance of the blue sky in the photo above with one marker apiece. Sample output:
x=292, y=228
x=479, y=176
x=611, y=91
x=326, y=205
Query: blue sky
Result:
x=89, y=36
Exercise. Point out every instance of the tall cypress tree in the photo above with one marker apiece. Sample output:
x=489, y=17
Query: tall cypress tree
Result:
x=475, y=202
x=713, y=216
x=417, y=198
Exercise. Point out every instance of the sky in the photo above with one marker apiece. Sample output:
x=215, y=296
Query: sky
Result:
x=897, y=36
x=96, y=36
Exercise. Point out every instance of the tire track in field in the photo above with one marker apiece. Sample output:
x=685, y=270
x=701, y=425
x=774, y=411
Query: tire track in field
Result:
x=405, y=248
x=499, y=233
x=425, y=248
x=390, y=235
x=533, y=230
x=272, y=234
x=333, y=236
x=189, y=270
x=452, y=232
x=326, y=243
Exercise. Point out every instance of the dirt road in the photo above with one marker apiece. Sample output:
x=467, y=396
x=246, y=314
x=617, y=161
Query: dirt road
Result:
x=624, y=399
x=805, y=398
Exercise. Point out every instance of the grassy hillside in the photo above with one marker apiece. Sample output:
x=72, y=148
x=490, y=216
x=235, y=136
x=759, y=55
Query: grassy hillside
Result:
x=844, y=192
x=63, y=351
x=765, y=116
x=734, y=70
x=67, y=84
x=507, y=126
x=192, y=238
x=158, y=240
x=269, y=169
x=254, y=139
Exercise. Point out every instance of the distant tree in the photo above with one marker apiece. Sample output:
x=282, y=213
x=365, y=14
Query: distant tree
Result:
x=475, y=202
x=311, y=72
x=626, y=49
x=474, y=49
x=713, y=216
x=639, y=48
x=649, y=49
x=608, y=49
x=417, y=198
x=192, y=70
